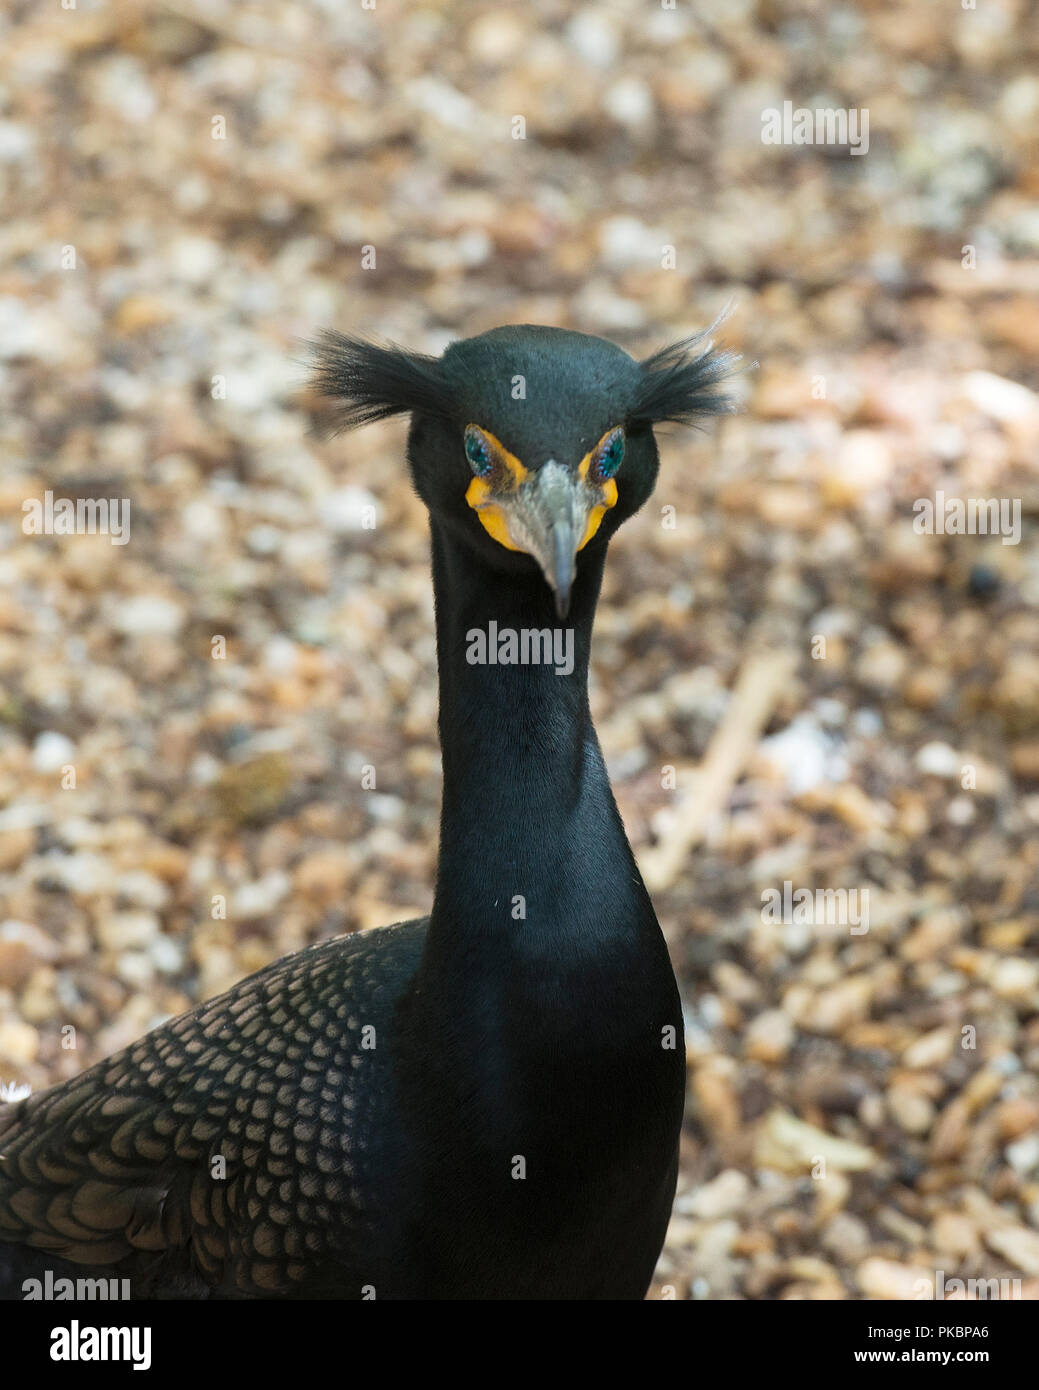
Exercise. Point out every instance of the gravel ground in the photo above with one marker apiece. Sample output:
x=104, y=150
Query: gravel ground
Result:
x=864, y=1104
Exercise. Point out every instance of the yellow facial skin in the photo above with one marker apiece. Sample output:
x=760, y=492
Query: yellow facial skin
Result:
x=491, y=497
x=485, y=499
x=608, y=492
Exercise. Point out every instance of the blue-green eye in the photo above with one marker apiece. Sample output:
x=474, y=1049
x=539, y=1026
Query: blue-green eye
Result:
x=611, y=454
x=477, y=452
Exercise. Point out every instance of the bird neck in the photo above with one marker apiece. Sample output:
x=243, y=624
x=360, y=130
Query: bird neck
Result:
x=534, y=862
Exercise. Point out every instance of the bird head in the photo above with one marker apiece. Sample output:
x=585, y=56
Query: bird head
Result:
x=531, y=444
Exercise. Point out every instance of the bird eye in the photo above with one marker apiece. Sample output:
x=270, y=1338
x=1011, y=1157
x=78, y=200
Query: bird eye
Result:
x=477, y=452
x=611, y=454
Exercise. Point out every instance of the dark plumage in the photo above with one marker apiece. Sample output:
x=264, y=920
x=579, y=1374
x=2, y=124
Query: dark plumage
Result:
x=483, y=1103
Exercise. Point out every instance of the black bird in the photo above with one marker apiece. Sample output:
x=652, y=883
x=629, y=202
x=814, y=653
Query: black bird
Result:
x=485, y=1103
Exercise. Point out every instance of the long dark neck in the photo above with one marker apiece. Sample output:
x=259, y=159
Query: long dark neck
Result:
x=534, y=863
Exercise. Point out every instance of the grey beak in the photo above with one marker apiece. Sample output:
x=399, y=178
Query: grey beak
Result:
x=564, y=563
x=549, y=519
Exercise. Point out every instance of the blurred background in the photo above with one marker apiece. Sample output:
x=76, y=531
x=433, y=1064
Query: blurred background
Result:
x=190, y=190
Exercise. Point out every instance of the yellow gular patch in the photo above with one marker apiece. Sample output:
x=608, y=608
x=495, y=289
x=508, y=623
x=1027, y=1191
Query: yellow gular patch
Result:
x=607, y=492
x=483, y=494
x=595, y=516
x=492, y=518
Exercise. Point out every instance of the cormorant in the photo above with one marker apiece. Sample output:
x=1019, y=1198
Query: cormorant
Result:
x=485, y=1103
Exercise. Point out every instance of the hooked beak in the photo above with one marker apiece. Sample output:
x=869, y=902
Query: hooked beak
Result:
x=549, y=514
x=548, y=518
x=564, y=563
